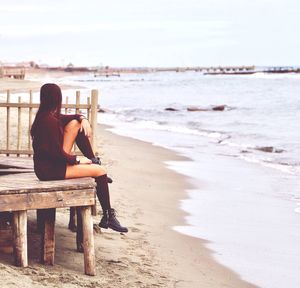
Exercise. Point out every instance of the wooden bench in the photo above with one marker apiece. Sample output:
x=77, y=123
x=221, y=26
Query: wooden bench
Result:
x=25, y=192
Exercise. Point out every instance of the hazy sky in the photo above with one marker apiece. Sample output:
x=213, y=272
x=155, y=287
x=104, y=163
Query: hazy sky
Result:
x=151, y=32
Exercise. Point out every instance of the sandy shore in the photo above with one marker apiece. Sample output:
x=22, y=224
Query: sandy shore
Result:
x=34, y=79
x=146, y=195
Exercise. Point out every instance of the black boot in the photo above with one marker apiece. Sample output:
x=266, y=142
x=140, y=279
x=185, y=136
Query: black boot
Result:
x=109, y=220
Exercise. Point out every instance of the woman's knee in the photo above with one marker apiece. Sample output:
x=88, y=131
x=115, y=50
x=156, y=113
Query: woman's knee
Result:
x=72, y=125
x=99, y=171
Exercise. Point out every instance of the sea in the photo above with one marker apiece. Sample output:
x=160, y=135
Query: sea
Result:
x=242, y=136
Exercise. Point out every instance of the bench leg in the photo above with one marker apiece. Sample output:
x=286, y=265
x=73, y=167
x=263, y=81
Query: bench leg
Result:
x=72, y=220
x=79, y=232
x=39, y=221
x=20, y=238
x=48, y=236
x=87, y=237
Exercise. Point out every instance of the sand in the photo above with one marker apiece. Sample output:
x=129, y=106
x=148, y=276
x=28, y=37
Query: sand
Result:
x=146, y=195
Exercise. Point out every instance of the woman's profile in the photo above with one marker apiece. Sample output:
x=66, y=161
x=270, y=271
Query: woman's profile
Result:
x=53, y=136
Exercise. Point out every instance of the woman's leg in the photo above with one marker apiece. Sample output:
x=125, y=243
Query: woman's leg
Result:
x=109, y=219
x=70, y=134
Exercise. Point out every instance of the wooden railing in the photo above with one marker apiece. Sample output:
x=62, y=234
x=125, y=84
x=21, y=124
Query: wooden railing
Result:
x=15, y=114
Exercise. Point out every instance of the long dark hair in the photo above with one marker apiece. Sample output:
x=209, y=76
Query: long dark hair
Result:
x=50, y=101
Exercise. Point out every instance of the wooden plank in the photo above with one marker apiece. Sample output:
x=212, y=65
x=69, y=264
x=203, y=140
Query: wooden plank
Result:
x=88, y=241
x=14, y=171
x=35, y=105
x=17, y=162
x=43, y=200
x=14, y=151
x=48, y=236
x=28, y=183
x=20, y=238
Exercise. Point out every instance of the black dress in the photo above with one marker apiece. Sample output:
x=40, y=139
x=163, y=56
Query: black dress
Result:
x=50, y=160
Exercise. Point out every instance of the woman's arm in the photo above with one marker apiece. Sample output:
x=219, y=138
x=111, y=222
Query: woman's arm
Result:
x=65, y=119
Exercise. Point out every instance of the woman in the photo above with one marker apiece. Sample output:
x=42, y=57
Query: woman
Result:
x=53, y=136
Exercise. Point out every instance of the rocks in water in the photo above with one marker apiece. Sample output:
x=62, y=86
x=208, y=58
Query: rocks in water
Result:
x=202, y=109
x=171, y=109
x=269, y=149
x=213, y=108
x=194, y=109
x=101, y=110
x=219, y=108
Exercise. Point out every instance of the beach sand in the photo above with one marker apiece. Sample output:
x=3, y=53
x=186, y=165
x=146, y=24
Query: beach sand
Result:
x=146, y=195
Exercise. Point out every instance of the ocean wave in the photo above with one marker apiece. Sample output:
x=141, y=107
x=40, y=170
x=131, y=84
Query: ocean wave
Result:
x=271, y=163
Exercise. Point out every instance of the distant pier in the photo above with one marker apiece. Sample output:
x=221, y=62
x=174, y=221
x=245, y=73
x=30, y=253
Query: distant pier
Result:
x=12, y=72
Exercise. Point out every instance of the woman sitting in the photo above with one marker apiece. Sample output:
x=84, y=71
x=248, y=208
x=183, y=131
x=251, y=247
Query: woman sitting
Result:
x=53, y=136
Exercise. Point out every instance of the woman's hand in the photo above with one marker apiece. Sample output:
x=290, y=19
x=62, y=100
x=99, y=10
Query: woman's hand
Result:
x=86, y=127
x=84, y=160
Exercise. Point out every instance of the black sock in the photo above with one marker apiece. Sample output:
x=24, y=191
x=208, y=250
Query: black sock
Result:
x=84, y=145
x=103, y=192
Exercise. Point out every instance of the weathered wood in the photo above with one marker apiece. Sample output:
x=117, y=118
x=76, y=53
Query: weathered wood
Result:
x=73, y=220
x=8, y=123
x=41, y=200
x=30, y=106
x=48, y=236
x=30, y=193
x=20, y=238
x=77, y=102
x=88, y=114
x=14, y=171
x=14, y=151
x=17, y=162
x=6, y=239
x=88, y=241
x=29, y=122
x=19, y=127
x=79, y=231
x=94, y=114
x=35, y=105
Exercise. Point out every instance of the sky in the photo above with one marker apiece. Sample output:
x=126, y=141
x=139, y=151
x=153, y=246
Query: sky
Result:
x=151, y=32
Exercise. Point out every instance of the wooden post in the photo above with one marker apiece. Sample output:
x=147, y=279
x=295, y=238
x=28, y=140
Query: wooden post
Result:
x=88, y=112
x=72, y=219
x=20, y=238
x=88, y=241
x=48, y=236
x=29, y=120
x=40, y=221
x=94, y=207
x=79, y=233
x=67, y=101
x=94, y=118
x=77, y=102
x=19, y=127
x=7, y=122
